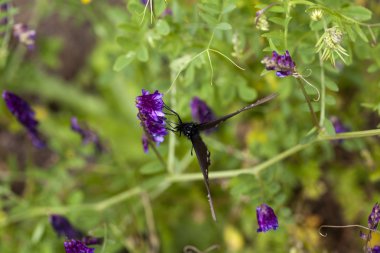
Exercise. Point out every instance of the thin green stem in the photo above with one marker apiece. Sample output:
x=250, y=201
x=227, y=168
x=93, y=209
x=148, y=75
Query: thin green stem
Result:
x=173, y=178
x=225, y=56
x=183, y=68
x=160, y=158
x=323, y=84
x=104, y=204
x=313, y=115
x=152, y=233
x=255, y=170
x=286, y=28
x=212, y=69
x=172, y=136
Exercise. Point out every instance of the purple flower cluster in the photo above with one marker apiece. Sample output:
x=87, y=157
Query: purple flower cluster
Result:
x=63, y=227
x=266, y=218
x=201, y=112
x=75, y=246
x=374, y=217
x=3, y=9
x=25, y=115
x=152, y=117
x=282, y=64
x=87, y=135
x=24, y=35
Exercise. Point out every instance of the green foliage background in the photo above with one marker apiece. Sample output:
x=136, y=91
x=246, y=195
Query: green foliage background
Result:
x=91, y=61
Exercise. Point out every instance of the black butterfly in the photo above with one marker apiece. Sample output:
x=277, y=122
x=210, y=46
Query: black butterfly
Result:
x=192, y=131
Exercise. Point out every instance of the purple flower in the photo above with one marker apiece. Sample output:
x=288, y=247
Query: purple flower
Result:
x=87, y=135
x=266, y=218
x=74, y=246
x=167, y=12
x=3, y=9
x=25, y=115
x=338, y=125
x=25, y=35
x=375, y=249
x=282, y=64
x=152, y=117
x=374, y=217
x=144, y=2
x=145, y=143
x=201, y=112
x=63, y=227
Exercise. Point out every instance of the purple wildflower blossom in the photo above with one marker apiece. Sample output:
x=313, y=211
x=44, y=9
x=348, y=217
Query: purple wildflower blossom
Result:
x=201, y=112
x=282, y=64
x=63, y=227
x=266, y=218
x=152, y=117
x=25, y=35
x=4, y=8
x=74, y=246
x=25, y=115
x=375, y=249
x=87, y=135
x=145, y=143
x=144, y=2
x=374, y=217
x=167, y=12
x=338, y=125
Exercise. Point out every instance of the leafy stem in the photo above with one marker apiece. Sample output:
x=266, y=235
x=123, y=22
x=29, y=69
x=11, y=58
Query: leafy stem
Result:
x=173, y=178
x=313, y=115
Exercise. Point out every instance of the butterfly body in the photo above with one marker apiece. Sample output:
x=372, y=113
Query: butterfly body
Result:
x=188, y=129
x=192, y=131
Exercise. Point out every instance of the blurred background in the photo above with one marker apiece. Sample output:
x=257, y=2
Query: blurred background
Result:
x=92, y=58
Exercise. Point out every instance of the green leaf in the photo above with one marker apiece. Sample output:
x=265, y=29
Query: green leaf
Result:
x=151, y=168
x=331, y=85
x=350, y=32
x=142, y=54
x=360, y=32
x=210, y=20
x=123, y=61
x=316, y=25
x=162, y=27
x=246, y=93
x=209, y=8
x=277, y=9
x=329, y=127
x=330, y=100
x=277, y=20
x=38, y=233
x=228, y=8
x=159, y=7
x=223, y=26
x=357, y=12
x=372, y=68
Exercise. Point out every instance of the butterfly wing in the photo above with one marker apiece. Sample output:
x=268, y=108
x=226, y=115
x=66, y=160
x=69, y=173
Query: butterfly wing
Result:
x=215, y=123
x=203, y=156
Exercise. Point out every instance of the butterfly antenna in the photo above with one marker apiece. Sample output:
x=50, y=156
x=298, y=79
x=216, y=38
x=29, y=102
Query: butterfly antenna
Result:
x=176, y=114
